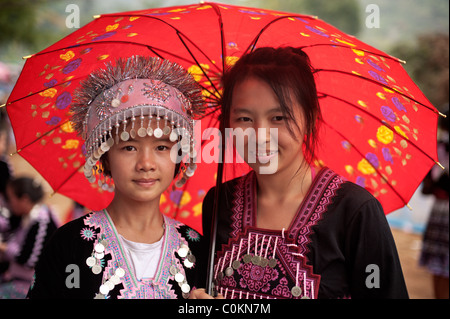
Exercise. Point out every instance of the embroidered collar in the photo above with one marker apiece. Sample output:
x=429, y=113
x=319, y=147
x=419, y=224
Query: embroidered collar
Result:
x=157, y=287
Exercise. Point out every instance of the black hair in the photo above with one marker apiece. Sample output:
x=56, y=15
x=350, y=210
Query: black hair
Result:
x=289, y=73
x=26, y=186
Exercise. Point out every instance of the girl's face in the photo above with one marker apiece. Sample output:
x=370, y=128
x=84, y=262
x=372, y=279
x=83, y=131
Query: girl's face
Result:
x=20, y=206
x=255, y=106
x=141, y=167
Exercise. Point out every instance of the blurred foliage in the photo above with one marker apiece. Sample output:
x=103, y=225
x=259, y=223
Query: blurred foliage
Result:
x=427, y=62
x=18, y=21
x=402, y=20
x=343, y=14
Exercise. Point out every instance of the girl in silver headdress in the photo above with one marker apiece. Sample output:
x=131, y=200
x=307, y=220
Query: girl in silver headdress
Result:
x=137, y=121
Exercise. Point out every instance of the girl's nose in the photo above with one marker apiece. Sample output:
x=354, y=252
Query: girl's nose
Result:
x=146, y=161
x=265, y=134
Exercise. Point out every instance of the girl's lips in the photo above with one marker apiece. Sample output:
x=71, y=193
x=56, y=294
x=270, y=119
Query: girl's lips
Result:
x=265, y=157
x=145, y=182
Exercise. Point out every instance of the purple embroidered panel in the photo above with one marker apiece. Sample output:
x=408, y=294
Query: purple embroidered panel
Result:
x=261, y=263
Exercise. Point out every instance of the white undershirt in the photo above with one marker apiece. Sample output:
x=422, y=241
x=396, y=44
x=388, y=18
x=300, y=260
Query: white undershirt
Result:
x=144, y=258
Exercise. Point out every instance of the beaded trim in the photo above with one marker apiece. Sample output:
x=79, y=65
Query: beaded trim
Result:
x=175, y=254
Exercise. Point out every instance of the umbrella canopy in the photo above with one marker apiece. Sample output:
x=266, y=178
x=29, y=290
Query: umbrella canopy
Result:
x=379, y=129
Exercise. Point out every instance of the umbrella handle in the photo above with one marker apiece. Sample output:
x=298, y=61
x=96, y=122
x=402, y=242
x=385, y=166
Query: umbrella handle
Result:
x=210, y=289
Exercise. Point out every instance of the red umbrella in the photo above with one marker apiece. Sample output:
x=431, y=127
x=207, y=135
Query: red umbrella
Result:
x=379, y=129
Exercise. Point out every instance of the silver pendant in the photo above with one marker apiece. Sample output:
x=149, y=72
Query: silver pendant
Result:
x=183, y=251
x=166, y=130
x=296, y=291
x=124, y=136
x=185, y=288
x=173, y=136
x=96, y=269
x=104, y=146
x=119, y=272
x=104, y=289
x=133, y=133
x=179, y=277
x=142, y=132
x=188, y=264
x=191, y=257
x=247, y=258
x=99, y=255
x=90, y=261
x=99, y=248
x=264, y=262
x=229, y=271
x=256, y=260
x=158, y=132
x=115, y=279
x=273, y=262
x=173, y=270
x=110, y=142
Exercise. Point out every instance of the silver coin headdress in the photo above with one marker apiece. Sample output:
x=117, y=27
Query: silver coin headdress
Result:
x=127, y=93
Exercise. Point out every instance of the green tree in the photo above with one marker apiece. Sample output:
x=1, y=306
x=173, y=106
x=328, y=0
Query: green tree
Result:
x=343, y=14
x=18, y=20
x=427, y=62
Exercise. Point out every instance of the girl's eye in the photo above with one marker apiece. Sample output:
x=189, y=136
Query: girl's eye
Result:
x=243, y=119
x=278, y=118
x=129, y=148
x=162, y=148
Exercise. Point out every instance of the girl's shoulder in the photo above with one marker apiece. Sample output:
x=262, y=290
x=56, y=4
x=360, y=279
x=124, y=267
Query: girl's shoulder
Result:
x=190, y=235
x=76, y=231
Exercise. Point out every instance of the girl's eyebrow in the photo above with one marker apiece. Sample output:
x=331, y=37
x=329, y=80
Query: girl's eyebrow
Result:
x=165, y=139
x=247, y=111
x=240, y=110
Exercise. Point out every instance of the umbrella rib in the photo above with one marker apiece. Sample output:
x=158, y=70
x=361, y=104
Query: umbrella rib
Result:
x=196, y=62
x=384, y=55
x=381, y=121
x=362, y=155
x=56, y=189
x=380, y=84
x=184, y=59
x=151, y=48
x=37, y=139
x=222, y=35
x=253, y=43
x=169, y=25
x=256, y=39
x=80, y=77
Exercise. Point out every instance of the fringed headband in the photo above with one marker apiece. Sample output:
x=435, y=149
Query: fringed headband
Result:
x=126, y=94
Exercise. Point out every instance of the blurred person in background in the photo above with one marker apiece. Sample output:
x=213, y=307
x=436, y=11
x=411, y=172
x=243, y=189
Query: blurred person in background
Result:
x=5, y=168
x=23, y=245
x=435, y=249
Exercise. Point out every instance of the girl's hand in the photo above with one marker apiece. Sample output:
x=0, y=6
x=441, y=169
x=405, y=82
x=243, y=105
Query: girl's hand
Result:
x=201, y=294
